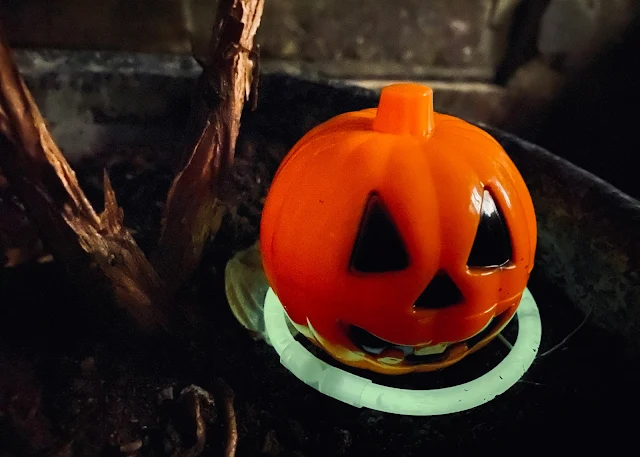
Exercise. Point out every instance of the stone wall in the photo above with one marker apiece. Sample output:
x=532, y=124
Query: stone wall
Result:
x=460, y=40
x=138, y=25
x=449, y=38
x=502, y=62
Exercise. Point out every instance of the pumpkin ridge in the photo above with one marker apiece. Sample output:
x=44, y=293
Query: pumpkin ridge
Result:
x=282, y=204
x=307, y=169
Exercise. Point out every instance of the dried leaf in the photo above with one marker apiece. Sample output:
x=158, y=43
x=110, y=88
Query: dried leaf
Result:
x=246, y=287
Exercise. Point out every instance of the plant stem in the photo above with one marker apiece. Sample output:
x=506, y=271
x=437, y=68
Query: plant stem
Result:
x=97, y=251
x=195, y=206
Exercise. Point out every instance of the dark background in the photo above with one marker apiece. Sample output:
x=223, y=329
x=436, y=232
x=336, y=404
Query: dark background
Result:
x=562, y=73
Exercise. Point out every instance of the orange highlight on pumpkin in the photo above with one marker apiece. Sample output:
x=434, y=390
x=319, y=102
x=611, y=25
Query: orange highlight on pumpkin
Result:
x=405, y=109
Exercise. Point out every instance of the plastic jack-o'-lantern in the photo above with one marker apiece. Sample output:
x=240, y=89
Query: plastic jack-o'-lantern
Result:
x=398, y=239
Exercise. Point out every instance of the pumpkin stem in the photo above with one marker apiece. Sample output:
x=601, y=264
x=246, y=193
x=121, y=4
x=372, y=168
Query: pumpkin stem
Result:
x=405, y=109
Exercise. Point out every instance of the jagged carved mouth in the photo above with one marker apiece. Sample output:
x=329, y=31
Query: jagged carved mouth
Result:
x=390, y=353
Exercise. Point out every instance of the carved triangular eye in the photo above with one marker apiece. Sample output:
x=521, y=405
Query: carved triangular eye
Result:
x=492, y=246
x=379, y=247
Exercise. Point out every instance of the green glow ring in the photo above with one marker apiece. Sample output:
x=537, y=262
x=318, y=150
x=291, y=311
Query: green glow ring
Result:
x=361, y=392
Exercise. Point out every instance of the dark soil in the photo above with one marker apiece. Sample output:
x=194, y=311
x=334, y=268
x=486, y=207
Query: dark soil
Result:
x=70, y=388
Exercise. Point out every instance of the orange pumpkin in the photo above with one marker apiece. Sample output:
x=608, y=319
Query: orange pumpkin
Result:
x=398, y=239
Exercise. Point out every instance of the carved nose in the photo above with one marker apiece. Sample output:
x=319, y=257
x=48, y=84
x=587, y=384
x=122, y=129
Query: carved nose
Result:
x=441, y=292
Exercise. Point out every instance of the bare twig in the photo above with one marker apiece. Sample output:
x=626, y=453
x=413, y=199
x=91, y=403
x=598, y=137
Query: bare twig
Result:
x=97, y=250
x=505, y=341
x=193, y=398
x=569, y=336
x=533, y=383
x=230, y=414
x=201, y=431
x=194, y=208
